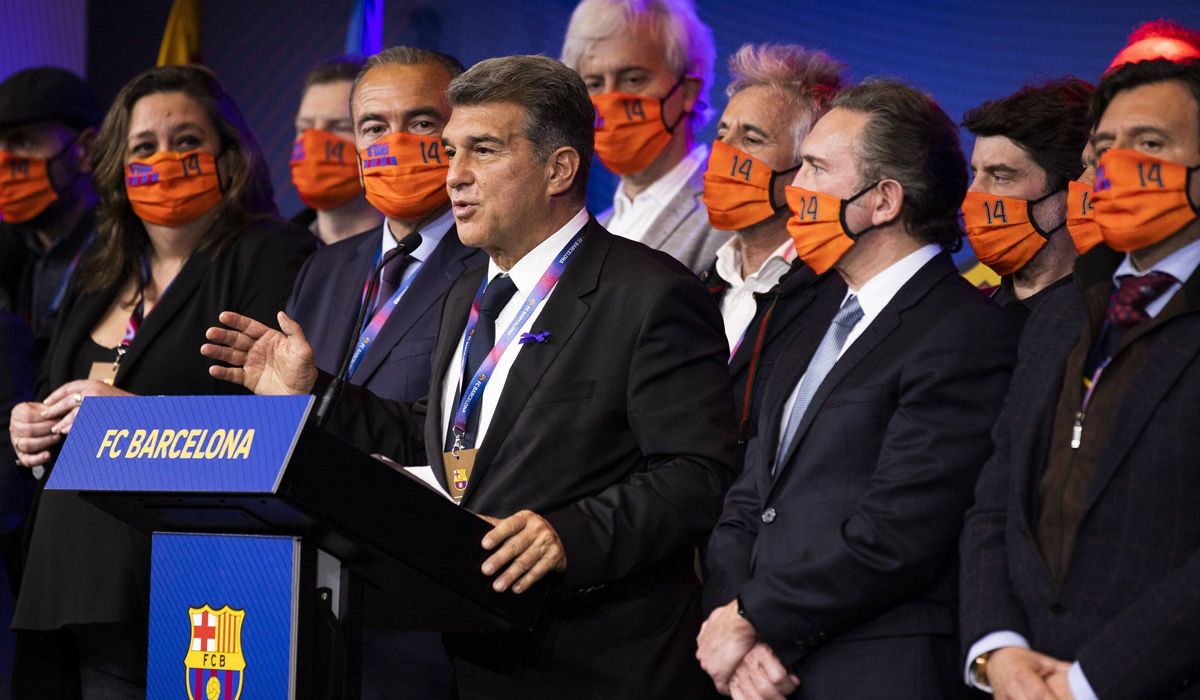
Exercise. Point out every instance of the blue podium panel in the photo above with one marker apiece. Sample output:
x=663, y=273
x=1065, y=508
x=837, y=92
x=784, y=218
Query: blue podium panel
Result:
x=197, y=444
x=223, y=616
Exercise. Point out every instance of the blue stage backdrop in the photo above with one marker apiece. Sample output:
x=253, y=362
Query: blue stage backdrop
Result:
x=961, y=51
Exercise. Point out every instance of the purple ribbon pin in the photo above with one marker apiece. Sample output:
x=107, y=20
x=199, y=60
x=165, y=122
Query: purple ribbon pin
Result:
x=539, y=337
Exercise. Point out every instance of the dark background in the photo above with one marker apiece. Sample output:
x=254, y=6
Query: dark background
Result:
x=961, y=51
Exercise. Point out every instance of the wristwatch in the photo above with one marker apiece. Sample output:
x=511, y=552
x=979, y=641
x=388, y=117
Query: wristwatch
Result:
x=979, y=672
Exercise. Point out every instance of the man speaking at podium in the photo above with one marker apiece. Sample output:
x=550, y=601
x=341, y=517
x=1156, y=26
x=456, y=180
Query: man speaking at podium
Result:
x=593, y=427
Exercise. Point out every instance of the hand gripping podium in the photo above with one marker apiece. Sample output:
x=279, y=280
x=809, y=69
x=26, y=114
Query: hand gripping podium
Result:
x=275, y=543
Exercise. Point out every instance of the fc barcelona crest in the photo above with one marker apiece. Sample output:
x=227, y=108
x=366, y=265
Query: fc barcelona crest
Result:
x=214, y=660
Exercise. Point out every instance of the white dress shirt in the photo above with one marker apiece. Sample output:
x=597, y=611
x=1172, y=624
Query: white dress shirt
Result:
x=1181, y=265
x=873, y=296
x=525, y=275
x=631, y=218
x=738, y=305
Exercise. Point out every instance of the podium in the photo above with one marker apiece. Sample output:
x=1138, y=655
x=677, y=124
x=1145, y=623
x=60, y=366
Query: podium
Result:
x=275, y=544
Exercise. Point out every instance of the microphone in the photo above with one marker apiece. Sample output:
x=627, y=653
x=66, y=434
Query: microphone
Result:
x=334, y=391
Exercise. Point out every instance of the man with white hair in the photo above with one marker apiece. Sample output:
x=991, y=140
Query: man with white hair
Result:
x=777, y=92
x=648, y=65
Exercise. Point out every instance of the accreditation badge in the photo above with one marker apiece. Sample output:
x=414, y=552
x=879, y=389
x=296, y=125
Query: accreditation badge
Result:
x=458, y=468
x=104, y=372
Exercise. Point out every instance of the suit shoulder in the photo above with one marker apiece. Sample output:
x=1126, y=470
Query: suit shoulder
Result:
x=959, y=304
x=345, y=249
x=268, y=236
x=641, y=260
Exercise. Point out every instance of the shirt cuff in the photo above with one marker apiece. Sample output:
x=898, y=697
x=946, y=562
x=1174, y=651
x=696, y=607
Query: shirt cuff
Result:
x=1080, y=688
x=991, y=642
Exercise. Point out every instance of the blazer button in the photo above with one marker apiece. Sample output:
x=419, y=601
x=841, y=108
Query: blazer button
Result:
x=1057, y=608
x=768, y=516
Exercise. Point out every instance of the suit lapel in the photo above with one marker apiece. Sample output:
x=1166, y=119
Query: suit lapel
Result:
x=561, y=316
x=787, y=373
x=450, y=330
x=176, y=297
x=436, y=275
x=682, y=205
x=883, y=325
x=87, y=311
x=795, y=291
x=1172, y=350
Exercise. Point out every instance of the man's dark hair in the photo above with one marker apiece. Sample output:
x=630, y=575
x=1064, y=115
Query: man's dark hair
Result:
x=343, y=68
x=1135, y=75
x=910, y=139
x=558, y=111
x=1048, y=121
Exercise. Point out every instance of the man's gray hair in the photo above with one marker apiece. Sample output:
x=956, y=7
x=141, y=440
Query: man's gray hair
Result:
x=807, y=80
x=558, y=110
x=406, y=56
x=687, y=43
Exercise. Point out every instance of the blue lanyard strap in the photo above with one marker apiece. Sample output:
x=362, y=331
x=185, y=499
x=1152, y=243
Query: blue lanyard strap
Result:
x=473, y=392
x=381, y=315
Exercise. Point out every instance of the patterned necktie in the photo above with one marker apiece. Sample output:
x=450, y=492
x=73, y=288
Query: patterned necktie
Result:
x=495, y=297
x=389, y=279
x=1127, y=305
x=826, y=356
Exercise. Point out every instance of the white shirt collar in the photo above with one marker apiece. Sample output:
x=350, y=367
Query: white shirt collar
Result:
x=1180, y=264
x=880, y=289
x=664, y=189
x=530, y=268
x=729, y=262
x=431, y=235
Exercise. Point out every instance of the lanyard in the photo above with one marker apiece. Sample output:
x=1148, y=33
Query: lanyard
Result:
x=137, y=315
x=61, y=292
x=382, y=313
x=472, y=394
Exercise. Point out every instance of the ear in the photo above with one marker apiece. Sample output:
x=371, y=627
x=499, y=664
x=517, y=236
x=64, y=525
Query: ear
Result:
x=690, y=89
x=889, y=201
x=85, y=146
x=562, y=167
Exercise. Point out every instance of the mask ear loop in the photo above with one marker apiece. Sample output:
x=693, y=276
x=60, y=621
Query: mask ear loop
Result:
x=49, y=164
x=854, y=236
x=662, y=107
x=1033, y=221
x=1187, y=189
x=771, y=187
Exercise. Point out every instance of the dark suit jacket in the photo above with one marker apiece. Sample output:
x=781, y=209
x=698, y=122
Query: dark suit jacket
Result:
x=770, y=331
x=619, y=430
x=327, y=295
x=1128, y=608
x=85, y=566
x=853, y=538
x=17, y=377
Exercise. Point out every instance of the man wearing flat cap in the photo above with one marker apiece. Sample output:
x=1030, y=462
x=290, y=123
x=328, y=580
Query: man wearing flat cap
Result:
x=48, y=122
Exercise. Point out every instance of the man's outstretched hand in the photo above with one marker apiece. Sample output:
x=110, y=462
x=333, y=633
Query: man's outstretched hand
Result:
x=262, y=359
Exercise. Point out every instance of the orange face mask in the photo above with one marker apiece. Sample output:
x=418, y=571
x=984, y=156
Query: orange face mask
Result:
x=739, y=188
x=1141, y=200
x=173, y=189
x=818, y=226
x=25, y=187
x=631, y=130
x=1002, y=230
x=405, y=175
x=1081, y=216
x=324, y=169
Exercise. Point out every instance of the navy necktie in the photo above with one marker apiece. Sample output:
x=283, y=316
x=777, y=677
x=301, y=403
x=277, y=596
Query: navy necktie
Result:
x=495, y=297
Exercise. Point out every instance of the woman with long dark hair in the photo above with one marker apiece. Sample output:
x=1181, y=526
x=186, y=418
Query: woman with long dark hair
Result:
x=186, y=228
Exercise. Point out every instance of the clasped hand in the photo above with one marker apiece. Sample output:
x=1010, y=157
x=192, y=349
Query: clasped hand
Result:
x=36, y=426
